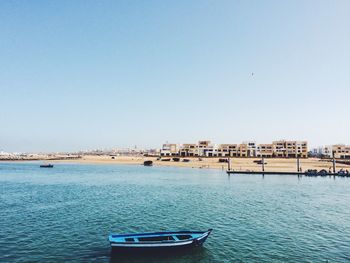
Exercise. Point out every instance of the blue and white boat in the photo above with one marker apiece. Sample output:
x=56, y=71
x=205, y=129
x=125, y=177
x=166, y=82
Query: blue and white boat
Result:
x=158, y=240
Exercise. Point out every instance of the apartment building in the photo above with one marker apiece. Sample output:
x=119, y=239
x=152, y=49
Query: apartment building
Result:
x=279, y=149
x=326, y=151
x=211, y=151
x=341, y=151
x=251, y=148
x=204, y=147
x=282, y=149
x=322, y=151
x=242, y=150
x=189, y=149
x=290, y=149
x=301, y=149
x=203, y=144
x=265, y=150
x=228, y=150
x=169, y=149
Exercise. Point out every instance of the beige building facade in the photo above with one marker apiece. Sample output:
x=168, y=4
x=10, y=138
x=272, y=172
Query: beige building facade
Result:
x=265, y=150
x=169, y=149
x=290, y=149
x=341, y=151
x=281, y=149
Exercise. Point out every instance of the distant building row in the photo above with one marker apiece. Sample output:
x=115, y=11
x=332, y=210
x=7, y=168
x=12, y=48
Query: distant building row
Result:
x=340, y=151
x=283, y=149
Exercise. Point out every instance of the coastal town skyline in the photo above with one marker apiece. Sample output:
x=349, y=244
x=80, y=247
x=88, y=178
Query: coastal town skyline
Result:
x=84, y=75
x=206, y=148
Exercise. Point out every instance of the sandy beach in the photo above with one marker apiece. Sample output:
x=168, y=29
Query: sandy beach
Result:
x=241, y=164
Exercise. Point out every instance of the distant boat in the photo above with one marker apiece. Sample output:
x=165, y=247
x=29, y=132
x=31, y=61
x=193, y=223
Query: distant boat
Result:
x=311, y=172
x=343, y=173
x=323, y=172
x=148, y=163
x=46, y=165
x=158, y=240
x=260, y=162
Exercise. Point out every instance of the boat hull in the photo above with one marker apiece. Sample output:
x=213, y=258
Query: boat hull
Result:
x=160, y=246
x=46, y=166
x=148, y=163
x=152, y=248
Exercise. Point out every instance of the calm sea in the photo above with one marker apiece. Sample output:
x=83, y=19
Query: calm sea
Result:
x=65, y=214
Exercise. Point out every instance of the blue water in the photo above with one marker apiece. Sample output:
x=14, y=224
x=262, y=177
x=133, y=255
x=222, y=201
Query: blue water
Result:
x=65, y=214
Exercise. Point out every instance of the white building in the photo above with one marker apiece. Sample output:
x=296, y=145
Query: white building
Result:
x=169, y=149
x=251, y=148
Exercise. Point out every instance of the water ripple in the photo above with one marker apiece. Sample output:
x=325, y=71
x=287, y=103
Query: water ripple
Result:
x=65, y=214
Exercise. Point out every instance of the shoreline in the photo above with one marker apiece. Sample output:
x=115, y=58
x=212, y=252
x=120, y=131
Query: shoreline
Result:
x=237, y=164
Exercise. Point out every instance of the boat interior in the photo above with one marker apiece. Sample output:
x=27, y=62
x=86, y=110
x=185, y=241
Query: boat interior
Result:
x=155, y=238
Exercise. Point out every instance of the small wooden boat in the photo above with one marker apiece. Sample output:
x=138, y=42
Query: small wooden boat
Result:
x=343, y=173
x=260, y=162
x=148, y=163
x=311, y=172
x=46, y=165
x=158, y=240
x=323, y=172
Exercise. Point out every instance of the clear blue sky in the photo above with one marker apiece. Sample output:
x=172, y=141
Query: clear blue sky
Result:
x=94, y=74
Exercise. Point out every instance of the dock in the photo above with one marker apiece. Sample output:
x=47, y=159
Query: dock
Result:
x=287, y=173
x=261, y=172
x=298, y=171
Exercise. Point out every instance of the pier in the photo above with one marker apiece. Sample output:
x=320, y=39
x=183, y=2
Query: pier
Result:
x=298, y=172
x=288, y=173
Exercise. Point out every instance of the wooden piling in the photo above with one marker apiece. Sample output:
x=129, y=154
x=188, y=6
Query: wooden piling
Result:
x=298, y=164
x=263, y=164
